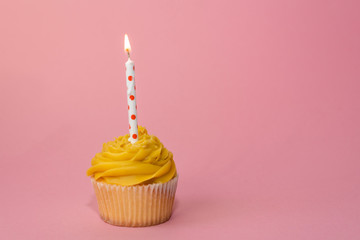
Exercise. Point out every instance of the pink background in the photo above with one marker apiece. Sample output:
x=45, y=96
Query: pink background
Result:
x=258, y=100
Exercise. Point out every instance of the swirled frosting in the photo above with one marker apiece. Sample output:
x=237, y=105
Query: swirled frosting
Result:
x=123, y=163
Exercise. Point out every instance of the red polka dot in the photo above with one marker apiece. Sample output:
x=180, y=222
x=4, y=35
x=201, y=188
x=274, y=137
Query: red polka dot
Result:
x=135, y=87
x=130, y=78
x=129, y=126
x=128, y=107
x=133, y=117
x=134, y=136
x=132, y=97
x=134, y=68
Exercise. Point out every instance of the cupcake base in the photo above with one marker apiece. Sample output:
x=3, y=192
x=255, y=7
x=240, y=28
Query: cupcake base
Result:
x=135, y=206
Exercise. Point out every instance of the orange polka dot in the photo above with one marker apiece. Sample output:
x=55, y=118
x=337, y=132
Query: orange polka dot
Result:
x=129, y=126
x=134, y=136
x=130, y=78
x=133, y=117
x=128, y=107
x=132, y=97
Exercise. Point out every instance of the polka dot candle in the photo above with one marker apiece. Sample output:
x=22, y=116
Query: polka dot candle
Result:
x=131, y=94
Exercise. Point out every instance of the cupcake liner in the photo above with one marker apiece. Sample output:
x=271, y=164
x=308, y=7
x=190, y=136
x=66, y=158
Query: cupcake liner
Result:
x=135, y=206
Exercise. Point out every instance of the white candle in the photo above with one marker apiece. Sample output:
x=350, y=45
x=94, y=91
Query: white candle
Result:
x=131, y=94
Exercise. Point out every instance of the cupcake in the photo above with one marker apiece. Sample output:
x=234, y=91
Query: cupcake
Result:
x=134, y=183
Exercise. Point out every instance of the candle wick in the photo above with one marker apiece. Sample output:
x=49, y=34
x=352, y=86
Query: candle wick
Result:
x=128, y=53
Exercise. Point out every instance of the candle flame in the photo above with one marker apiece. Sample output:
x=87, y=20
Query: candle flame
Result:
x=127, y=46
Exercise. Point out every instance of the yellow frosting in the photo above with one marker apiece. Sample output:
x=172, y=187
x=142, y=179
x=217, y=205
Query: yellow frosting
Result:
x=123, y=163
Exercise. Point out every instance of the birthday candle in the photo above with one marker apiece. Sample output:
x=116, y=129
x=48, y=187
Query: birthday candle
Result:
x=131, y=94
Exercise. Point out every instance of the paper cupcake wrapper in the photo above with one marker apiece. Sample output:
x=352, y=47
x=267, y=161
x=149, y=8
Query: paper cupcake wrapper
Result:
x=135, y=206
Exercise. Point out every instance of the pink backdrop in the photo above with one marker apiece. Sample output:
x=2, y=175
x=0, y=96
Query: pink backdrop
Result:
x=258, y=100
